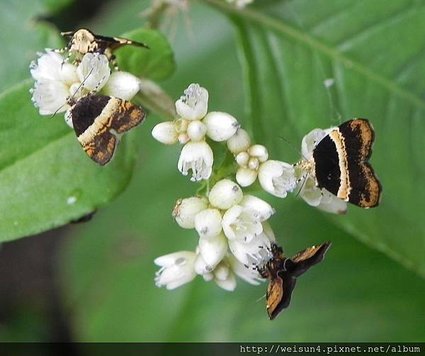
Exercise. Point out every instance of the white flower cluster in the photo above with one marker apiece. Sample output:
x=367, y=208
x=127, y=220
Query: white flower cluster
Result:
x=59, y=83
x=232, y=226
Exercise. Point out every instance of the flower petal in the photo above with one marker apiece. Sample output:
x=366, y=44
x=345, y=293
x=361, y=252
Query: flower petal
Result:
x=93, y=71
x=165, y=133
x=239, y=142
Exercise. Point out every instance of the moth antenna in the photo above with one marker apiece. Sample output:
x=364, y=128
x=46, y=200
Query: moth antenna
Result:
x=261, y=298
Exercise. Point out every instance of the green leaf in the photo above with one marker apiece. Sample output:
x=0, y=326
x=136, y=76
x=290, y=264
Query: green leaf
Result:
x=156, y=63
x=372, y=52
x=46, y=179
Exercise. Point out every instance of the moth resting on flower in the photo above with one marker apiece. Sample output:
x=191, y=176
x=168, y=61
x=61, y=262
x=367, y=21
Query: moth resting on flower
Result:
x=96, y=100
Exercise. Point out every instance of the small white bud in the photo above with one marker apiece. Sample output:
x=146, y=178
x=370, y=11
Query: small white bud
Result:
x=122, y=85
x=242, y=159
x=225, y=194
x=165, y=133
x=196, y=130
x=239, y=142
x=208, y=223
x=220, y=126
x=245, y=176
x=259, y=151
x=186, y=209
x=253, y=163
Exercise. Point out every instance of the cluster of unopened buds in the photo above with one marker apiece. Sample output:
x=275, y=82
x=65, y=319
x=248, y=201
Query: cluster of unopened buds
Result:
x=59, y=83
x=233, y=229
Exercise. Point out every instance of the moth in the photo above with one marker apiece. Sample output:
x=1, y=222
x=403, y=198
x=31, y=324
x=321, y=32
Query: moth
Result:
x=341, y=163
x=282, y=273
x=84, y=41
x=100, y=120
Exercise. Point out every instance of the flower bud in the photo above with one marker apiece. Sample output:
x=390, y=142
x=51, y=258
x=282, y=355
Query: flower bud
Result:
x=239, y=142
x=208, y=223
x=186, y=209
x=225, y=194
x=165, y=133
x=220, y=125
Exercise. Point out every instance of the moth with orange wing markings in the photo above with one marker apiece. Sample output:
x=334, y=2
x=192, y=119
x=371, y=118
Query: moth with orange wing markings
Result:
x=100, y=120
x=84, y=41
x=282, y=273
x=340, y=163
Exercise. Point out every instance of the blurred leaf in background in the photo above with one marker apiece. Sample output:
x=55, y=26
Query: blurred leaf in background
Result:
x=280, y=58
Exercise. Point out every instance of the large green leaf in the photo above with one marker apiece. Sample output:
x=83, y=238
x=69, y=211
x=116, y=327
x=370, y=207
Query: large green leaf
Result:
x=373, y=53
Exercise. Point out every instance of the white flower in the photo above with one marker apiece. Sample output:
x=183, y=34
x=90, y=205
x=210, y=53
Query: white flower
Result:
x=241, y=224
x=186, y=209
x=198, y=157
x=208, y=223
x=225, y=194
x=247, y=273
x=193, y=105
x=165, y=132
x=220, y=126
x=277, y=178
x=213, y=249
x=122, y=85
x=176, y=269
x=239, y=142
x=247, y=252
x=52, y=66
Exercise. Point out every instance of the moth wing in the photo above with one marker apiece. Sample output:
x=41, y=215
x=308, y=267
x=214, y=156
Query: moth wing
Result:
x=101, y=148
x=279, y=294
x=125, y=116
x=365, y=187
x=307, y=258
